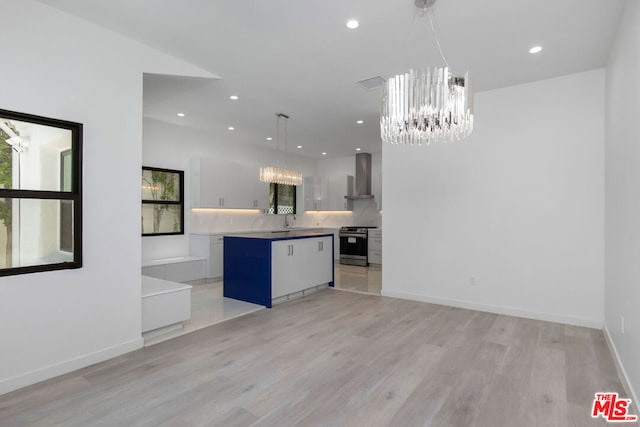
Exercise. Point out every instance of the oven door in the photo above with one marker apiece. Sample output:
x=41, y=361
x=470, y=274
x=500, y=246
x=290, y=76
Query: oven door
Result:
x=353, y=249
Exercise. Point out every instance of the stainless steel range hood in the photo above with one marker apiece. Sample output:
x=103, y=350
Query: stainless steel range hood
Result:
x=363, y=177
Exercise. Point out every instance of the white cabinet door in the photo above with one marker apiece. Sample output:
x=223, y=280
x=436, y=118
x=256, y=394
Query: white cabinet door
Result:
x=284, y=267
x=260, y=195
x=216, y=258
x=243, y=186
x=319, y=259
x=375, y=246
x=340, y=186
x=315, y=193
x=208, y=179
x=327, y=194
x=210, y=247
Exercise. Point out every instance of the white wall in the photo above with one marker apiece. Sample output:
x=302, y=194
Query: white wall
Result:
x=519, y=205
x=622, y=214
x=58, y=66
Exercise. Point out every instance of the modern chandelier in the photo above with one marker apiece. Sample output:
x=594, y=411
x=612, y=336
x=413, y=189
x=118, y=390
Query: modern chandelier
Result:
x=426, y=105
x=276, y=174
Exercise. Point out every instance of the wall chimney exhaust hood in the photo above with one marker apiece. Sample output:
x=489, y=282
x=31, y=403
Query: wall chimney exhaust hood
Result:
x=363, y=178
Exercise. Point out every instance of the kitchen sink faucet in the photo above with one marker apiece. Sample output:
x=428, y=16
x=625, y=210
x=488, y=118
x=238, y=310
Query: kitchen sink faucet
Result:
x=286, y=219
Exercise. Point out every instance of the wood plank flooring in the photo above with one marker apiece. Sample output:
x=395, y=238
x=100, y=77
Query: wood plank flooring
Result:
x=339, y=358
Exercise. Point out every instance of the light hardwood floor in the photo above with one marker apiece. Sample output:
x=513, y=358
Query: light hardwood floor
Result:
x=339, y=358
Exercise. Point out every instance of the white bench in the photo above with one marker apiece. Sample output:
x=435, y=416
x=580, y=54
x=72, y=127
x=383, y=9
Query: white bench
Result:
x=165, y=305
x=178, y=269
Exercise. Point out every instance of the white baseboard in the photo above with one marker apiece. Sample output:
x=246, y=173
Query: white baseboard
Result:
x=620, y=368
x=508, y=311
x=32, y=377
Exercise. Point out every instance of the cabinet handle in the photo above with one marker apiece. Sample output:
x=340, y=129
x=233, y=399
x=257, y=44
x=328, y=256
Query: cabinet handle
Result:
x=320, y=248
x=291, y=249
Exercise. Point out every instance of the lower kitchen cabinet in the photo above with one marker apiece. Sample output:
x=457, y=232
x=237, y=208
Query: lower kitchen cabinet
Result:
x=262, y=267
x=286, y=259
x=300, y=264
x=375, y=246
x=210, y=247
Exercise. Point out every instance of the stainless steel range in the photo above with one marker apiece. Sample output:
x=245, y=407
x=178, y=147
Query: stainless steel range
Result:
x=354, y=245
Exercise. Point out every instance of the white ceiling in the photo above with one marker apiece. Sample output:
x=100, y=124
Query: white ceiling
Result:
x=297, y=57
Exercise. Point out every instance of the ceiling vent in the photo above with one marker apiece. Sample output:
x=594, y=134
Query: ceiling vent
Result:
x=372, y=82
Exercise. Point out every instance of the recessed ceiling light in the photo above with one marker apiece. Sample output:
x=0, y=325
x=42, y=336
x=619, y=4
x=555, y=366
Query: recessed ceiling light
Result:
x=180, y=114
x=352, y=24
x=299, y=146
x=269, y=138
x=360, y=122
x=231, y=128
x=535, y=49
x=357, y=149
x=234, y=97
x=324, y=153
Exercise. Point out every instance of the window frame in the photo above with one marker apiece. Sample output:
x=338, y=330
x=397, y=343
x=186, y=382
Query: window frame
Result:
x=75, y=195
x=167, y=202
x=275, y=198
x=62, y=179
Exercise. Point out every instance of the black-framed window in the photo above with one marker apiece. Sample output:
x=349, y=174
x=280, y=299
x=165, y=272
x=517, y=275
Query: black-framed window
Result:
x=40, y=194
x=282, y=199
x=162, y=201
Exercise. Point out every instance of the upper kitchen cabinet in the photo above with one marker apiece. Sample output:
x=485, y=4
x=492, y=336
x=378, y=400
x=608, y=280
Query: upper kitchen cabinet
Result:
x=328, y=194
x=211, y=186
x=339, y=187
x=314, y=193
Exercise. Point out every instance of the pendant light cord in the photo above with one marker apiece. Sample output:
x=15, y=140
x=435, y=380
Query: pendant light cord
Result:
x=435, y=35
x=286, y=131
x=278, y=134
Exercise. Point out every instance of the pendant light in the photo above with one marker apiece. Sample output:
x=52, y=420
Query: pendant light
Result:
x=276, y=174
x=426, y=105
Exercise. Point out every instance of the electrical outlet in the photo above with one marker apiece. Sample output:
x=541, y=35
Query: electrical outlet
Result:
x=472, y=281
x=622, y=325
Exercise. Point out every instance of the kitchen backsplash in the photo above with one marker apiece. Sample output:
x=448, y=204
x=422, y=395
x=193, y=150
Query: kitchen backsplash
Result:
x=219, y=220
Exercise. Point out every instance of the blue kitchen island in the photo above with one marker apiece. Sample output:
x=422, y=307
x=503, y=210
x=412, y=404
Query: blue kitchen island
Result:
x=268, y=267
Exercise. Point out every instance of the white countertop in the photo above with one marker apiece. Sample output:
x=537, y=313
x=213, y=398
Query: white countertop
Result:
x=217, y=233
x=174, y=260
x=152, y=286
